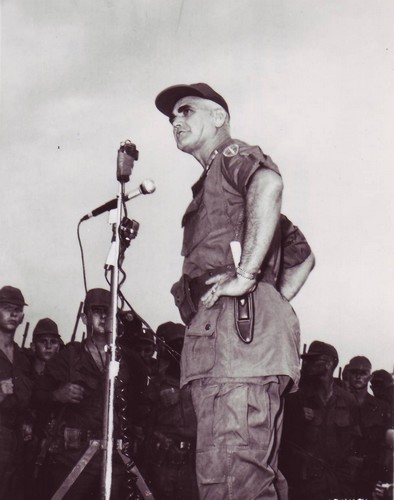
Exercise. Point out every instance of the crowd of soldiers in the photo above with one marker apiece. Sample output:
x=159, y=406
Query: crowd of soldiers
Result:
x=337, y=438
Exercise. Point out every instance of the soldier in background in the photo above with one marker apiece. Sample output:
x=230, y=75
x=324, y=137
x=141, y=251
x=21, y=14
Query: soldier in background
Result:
x=74, y=384
x=375, y=419
x=382, y=386
x=46, y=343
x=137, y=348
x=15, y=394
x=320, y=431
x=172, y=427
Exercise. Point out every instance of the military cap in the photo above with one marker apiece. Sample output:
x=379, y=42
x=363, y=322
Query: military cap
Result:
x=11, y=295
x=382, y=377
x=168, y=97
x=97, y=297
x=317, y=348
x=145, y=335
x=171, y=331
x=359, y=363
x=45, y=326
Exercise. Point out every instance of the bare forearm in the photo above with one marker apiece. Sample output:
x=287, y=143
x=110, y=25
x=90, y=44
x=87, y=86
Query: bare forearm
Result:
x=292, y=279
x=263, y=205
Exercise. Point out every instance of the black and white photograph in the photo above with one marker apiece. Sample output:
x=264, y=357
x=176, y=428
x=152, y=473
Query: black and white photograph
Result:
x=196, y=250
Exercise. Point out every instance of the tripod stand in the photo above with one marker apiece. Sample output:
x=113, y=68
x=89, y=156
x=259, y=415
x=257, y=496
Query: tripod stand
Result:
x=94, y=446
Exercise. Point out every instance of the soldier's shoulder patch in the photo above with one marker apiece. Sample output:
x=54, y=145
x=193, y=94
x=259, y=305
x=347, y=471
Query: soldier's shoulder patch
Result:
x=231, y=151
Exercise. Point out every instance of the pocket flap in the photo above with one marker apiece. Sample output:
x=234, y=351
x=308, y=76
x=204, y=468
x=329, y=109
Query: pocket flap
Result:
x=204, y=322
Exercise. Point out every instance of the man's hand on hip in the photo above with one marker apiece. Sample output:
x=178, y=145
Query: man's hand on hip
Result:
x=226, y=285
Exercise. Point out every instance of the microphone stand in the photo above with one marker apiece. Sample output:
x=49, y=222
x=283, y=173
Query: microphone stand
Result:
x=112, y=365
x=126, y=155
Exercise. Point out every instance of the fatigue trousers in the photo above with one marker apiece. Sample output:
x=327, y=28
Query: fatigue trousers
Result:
x=239, y=426
x=11, y=464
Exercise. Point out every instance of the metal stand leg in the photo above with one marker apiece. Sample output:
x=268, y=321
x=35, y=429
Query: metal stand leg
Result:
x=141, y=484
x=94, y=445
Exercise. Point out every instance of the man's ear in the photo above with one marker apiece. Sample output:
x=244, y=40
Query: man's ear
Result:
x=33, y=346
x=84, y=318
x=219, y=117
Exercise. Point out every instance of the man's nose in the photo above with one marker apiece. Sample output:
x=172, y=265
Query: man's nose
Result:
x=177, y=121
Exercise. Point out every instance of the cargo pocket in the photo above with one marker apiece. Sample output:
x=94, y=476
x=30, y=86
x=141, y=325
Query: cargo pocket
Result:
x=198, y=355
x=211, y=466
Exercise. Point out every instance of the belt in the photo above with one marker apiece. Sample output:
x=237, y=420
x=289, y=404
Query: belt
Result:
x=171, y=451
x=198, y=287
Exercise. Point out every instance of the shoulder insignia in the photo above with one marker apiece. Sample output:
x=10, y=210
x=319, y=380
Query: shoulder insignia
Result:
x=231, y=150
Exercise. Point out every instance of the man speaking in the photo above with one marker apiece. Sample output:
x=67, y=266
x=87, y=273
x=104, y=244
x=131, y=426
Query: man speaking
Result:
x=241, y=345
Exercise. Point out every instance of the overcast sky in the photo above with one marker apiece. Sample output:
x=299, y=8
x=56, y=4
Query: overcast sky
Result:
x=311, y=82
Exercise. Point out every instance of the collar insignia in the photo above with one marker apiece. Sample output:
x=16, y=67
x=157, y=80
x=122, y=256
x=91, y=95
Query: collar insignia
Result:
x=231, y=150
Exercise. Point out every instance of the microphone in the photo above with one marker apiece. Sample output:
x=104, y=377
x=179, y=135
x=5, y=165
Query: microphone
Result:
x=146, y=187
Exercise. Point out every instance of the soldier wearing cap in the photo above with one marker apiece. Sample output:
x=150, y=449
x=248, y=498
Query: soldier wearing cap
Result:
x=15, y=393
x=172, y=426
x=46, y=342
x=74, y=383
x=319, y=439
x=242, y=338
x=382, y=386
x=375, y=419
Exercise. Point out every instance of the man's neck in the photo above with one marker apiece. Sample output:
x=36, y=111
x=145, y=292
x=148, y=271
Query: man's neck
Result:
x=325, y=387
x=39, y=366
x=7, y=344
x=360, y=394
x=98, y=340
x=6, y=340
x=204, y=153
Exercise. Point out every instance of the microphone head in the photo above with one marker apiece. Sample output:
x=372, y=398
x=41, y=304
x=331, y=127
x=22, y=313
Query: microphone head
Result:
x=147, y=186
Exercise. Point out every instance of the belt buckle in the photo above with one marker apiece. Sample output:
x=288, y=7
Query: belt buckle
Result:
x=184, y=445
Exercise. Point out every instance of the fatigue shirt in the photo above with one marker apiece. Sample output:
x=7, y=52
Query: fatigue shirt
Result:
x=295, y=248
x=375, y=419
x=329, y=436
x=173, y=412
x=75, y=364
x=15, y=405
x=213, y=219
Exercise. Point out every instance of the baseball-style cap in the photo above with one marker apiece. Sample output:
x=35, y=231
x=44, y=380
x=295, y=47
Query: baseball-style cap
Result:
x=11, y=295
x=168, y=97
x=97, y=297
x=317, y=348
x=381, y=377
x=45, y=326
x=171, y=331
x=359, y=363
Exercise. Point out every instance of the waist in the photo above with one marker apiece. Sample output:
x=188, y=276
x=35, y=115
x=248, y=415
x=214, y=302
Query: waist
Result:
x=198, y=287
x=171, y=450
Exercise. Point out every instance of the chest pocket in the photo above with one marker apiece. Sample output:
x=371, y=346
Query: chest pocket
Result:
x=342, y=416
x=195, y=224
x=198, y=355
x=169, y=396
x=5, y=372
